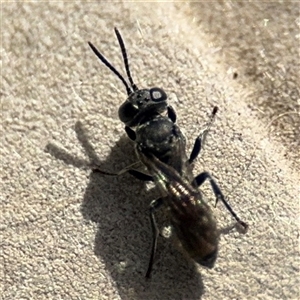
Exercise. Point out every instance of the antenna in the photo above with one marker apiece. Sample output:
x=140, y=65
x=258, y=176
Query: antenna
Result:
x=110, y=66
x=125, y=59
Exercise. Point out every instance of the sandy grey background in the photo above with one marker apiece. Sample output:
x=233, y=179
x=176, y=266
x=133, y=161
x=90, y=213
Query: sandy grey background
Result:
x=69, y=234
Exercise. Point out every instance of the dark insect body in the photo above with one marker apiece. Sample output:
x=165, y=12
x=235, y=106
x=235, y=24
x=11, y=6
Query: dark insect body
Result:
x=160, y=147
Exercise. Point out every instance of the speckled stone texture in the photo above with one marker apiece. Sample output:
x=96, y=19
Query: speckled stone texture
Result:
x=67, y=233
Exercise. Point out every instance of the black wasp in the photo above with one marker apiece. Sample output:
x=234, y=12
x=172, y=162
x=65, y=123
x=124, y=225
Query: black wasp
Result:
x=160, y=146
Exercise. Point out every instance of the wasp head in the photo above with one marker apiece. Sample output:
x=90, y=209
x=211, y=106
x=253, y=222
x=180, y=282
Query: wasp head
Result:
x=142, y=103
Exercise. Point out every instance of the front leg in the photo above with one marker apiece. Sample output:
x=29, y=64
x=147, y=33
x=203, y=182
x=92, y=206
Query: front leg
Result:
x=199, y=141
x=130, y=133
x=172, y=114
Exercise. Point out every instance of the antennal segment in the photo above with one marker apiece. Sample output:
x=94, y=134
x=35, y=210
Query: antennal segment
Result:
x=110, y=66
x=125, y=59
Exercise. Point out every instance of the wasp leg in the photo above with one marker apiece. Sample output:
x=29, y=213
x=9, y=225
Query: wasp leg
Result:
x=199, y=180
x=141, y=176
x=137, y=174
x=199, y=141
x=172, y=114
x=196, y=149
x=130, y=133
x=154, y=205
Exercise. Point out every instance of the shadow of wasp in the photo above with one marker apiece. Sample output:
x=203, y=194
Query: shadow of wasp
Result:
x=161, y=149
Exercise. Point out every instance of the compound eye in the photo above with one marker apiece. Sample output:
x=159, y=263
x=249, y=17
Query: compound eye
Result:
x=127, y=112
x=158, y=95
